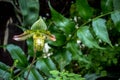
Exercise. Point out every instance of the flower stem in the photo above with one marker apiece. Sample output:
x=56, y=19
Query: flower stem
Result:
x=33, y=61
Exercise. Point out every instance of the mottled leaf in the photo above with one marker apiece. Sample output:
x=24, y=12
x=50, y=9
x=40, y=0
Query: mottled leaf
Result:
x=100, y=30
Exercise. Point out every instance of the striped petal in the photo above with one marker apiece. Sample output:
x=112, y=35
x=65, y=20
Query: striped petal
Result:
x=23, y=36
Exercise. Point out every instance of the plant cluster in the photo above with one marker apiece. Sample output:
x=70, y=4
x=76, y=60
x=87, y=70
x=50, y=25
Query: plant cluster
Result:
x=86, y=42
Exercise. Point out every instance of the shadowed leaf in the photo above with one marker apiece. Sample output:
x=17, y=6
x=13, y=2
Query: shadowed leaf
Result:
x=61, y=22
x=17, y=54
x=34, y=75
x=29, y=10
x=116, y=19
x=45, y=65
x=83, y=9
x=4, y=71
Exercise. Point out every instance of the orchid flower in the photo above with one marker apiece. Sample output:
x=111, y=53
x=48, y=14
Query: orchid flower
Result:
x=38, y=32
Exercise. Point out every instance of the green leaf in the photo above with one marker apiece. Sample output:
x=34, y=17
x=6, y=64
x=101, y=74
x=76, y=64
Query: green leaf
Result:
x=83, y=9
x=41, y=65
x=54, y=73
x=73, y=47
x=17, y=54
x=116, y=19
x=92, y=76
x=19, y=78
x=86, y=37
x=100, y=30
x=45, y=65
x=39, y=25
x=64, y=24
x=63, y=58
x=60, y=40
x=107, y=5
x=29, y=10
x=30, y=46
x=103, y=73
x=64, y=75
x=34, y=75
x=4, y=71
x=50, y=63
x=115, y=61
x=116, y=4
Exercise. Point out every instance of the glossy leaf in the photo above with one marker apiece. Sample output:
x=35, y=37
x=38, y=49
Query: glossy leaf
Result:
x=91, y=76
x=86, y=37
x=4, y=71
x=74, y=49
x=116, y=4
x=17, y=54
x=60, y=40
x=34, y=75
x=50, y=63
x=63, y=58
x=116, y=19
x=30, y=46
x=100, y=30
x=107, y=5
x=45, y=65
x=29, y=10
x=83, y=9
x=39, y=25
x=60, y=21
x=42, y=66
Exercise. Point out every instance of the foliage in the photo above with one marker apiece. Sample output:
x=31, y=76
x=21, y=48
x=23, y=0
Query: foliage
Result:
x=86, y=42
x=64, y=76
